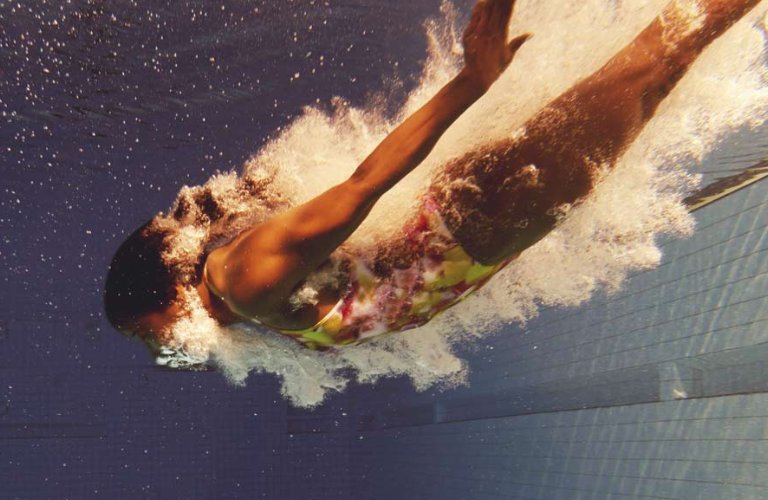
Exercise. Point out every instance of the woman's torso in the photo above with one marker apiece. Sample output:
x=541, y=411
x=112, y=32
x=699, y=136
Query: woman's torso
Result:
x=398, y=286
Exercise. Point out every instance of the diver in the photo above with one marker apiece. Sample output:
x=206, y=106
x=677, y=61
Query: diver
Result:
x=481, y=211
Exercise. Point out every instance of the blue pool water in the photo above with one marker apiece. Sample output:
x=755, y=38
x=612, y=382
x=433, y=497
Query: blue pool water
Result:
x=657, y=390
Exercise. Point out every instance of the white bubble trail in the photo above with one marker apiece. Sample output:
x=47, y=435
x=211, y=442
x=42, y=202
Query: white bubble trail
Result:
x=612, y=233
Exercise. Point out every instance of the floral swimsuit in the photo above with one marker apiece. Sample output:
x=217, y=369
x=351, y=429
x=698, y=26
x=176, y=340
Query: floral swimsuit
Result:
x=440, y=275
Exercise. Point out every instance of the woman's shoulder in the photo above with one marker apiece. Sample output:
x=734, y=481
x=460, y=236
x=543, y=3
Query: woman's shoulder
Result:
x=213, y=272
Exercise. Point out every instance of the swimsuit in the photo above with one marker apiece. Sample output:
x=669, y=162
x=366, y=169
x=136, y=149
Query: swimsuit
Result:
x=440, y=274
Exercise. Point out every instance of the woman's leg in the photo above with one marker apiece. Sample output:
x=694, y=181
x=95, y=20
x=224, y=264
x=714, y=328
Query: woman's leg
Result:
x=500, y=200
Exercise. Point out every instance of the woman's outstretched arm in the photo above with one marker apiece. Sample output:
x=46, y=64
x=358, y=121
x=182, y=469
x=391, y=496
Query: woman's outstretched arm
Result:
x=257, y=271
x=487, y=55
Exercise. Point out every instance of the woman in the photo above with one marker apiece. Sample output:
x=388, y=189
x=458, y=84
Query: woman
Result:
x=481, y=211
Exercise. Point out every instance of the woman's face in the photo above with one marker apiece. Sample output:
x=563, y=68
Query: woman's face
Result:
x=156, y=323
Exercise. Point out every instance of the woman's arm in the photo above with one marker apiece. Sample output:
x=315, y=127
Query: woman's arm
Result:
x=410, y=143
x=487, y=54
x=257, y=271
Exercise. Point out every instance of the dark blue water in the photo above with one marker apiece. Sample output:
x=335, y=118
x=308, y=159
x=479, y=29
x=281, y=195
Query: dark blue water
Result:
x=108, y=108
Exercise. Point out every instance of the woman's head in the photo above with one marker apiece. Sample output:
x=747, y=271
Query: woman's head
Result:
x=141, y=290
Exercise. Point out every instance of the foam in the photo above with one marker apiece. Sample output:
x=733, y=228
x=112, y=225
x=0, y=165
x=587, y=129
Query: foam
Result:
x=599, y=243
x=680, y=19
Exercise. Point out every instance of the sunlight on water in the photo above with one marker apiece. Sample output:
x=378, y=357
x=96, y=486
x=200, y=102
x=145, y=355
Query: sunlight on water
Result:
x=611, y=234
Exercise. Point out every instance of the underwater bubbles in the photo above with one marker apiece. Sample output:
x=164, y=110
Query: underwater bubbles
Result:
x=611, y=234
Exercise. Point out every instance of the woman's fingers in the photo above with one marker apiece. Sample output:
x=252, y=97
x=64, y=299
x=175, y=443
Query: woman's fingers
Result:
x=517, y=42
x=482, y=11
x=490, y=17
x=487, y=53
x=502, y=13
x=472, y=27
x=473, y=18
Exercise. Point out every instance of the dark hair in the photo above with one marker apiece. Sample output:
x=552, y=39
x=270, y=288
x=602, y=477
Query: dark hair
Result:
x=138, y=281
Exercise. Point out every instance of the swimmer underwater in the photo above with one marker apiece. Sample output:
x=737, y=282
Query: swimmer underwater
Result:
x=462, y=232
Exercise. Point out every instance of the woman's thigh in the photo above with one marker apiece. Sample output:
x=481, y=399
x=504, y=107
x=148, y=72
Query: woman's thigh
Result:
x=501, y=199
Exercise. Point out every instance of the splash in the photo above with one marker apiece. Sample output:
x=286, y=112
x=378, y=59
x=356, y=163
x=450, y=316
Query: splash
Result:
x=680, y=19
x=612, y=233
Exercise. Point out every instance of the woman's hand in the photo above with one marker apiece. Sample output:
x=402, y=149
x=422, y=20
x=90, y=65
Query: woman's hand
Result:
x=486, y=50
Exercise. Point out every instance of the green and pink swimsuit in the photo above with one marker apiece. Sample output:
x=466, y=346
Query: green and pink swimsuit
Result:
x=440, y=275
